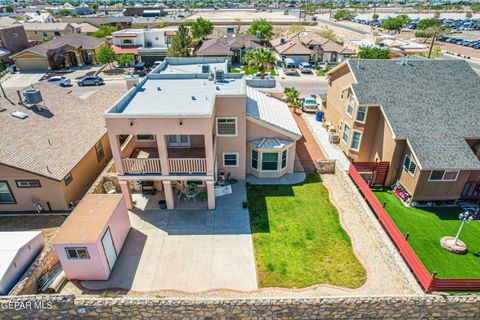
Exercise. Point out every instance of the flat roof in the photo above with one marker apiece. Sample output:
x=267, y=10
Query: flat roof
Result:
x=178, y=97
x=10, y=243
x=191, y=68
x=88, y=220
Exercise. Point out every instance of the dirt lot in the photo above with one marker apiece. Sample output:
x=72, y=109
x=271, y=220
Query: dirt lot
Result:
x=245, y=16
x=47, y=224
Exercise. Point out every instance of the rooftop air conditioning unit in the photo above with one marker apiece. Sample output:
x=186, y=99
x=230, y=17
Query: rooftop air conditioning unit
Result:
x=205, y=68
x=219, y=75
x=33, y=96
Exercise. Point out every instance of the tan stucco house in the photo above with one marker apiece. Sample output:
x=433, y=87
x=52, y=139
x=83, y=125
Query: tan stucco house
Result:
x=79, y=50
x=51, y=153
x=190, y=120
x=37, y=32
x=418, y=118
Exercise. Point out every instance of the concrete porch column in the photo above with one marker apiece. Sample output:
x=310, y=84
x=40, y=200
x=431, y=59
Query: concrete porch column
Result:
x=209, y=154
x=167, y=188
x=79, y=59
x=126, y=194
x=211, y=195
x=163, y=154
x=116, y=153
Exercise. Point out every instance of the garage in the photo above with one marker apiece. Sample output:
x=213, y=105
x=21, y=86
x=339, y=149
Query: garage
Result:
x=29, y=64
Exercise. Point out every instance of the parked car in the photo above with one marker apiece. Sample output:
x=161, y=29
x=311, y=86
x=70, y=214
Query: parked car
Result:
x=309, y=105
x=289, y=66
x=60, y=81
x=305, y=67
x=140, y=69
x=90, y=81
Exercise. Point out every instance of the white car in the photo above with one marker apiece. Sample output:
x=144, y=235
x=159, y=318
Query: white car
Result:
x=60, y=81
x=305, y=67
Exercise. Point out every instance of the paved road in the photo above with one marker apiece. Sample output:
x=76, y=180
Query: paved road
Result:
x=307, y=84
x=341, y=25
x=475, y=64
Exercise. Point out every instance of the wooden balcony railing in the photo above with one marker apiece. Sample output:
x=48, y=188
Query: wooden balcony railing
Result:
x=187, y=165
x=141, y=166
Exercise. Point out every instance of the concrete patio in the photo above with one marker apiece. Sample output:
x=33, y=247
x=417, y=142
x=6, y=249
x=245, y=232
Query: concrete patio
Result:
x=187, y=250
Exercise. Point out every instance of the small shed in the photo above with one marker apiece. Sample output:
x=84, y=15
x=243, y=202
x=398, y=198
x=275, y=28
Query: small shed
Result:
x=90, y=240
x=17, y=252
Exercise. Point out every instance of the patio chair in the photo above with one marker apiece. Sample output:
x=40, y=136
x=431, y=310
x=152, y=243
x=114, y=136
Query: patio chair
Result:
x=181, y=191
x=191, y=193
x=109, y=187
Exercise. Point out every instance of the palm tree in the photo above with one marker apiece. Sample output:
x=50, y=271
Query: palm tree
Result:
x=291, y=96
x=261, y=59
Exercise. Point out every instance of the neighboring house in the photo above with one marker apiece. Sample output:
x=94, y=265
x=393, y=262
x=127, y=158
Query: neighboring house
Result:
x=83, y=9
x=148, y=45
x=230, y=46
x=144, y=11
x=12, y=40
x=51, y=158
x=299, y=46
x=39, y=17
x=18, y=249
x=6, y=21
x=419, y=119
x=90, y=240
x=79, y=50
x=397, y=47
x=182, y=123
x=85, y=28
x=37, y=32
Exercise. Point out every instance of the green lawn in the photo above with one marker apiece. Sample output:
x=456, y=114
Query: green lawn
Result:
x=426, y=227
x=250, y=71
x=298, y=239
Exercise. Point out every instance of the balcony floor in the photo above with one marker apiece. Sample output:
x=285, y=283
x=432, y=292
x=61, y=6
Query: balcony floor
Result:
x=147, y=153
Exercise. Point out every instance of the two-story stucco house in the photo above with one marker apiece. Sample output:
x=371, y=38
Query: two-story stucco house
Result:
x=189, y=120
x=419, y=118
x=148, y=45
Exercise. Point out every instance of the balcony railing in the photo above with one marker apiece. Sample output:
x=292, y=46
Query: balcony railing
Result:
x=141, y=166
x=187, y=165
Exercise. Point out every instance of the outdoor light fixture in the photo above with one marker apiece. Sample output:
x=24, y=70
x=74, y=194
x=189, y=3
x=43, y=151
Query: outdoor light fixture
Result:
x=180, y=121
x=131, y=122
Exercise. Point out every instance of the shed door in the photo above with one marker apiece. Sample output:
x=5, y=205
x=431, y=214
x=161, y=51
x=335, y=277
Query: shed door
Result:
x=109, y=248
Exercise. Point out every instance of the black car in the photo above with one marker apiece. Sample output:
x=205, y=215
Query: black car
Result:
x=90, y=81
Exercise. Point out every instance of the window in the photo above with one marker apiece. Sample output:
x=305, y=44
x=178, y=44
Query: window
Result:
x=230, y=159
x=77, y=253
x=145, y=137
x=6, y=195
x=45, y=34
x=254, y=159
x=346, y=133
x=99, y=150
x=127, y=42
x=269, y=161
x=56, y=33
x=68, y=178
x=443, y=175
x=284, y=159
x=409, y=164
x=361, y=114
x=28, y=183
x=342, y=94
x=351, y=106
x=356, y=137
x=226, y=126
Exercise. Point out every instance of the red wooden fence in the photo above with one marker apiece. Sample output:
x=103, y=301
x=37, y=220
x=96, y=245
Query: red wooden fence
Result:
x=427, y=280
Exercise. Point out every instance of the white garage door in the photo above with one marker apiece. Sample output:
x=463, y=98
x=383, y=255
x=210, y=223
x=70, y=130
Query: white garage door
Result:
x=31, y=64
x=109, y=248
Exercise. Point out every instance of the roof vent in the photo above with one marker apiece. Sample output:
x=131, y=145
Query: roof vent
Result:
x=159, y=89
x=282, y=40
x=218, y=88
x=194, y=98
x=205, y=68
x=19, y=114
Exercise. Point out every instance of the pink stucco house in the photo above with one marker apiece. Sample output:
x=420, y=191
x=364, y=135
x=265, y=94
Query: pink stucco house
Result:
x=90, y=240
x=190, y=120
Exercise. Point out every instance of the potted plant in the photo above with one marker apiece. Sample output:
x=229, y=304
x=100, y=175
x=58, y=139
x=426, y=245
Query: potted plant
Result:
x=245, y=204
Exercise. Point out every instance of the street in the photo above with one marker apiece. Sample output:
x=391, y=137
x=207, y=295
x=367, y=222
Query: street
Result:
x=307, y=84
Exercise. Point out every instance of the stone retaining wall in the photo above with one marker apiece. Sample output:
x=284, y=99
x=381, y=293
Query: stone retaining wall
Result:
x=406, y=307
x=326, y=166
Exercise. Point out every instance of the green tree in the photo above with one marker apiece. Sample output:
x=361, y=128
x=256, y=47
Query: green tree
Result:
x=344, y=15
x=369, y=52
x=468, y=15
x=426, y=28
x=9, y=9
x=393, y=23
x=261, y=59
x=375, y=16
x=292, y=97
x=404, y=19
x=475, y=7
x=264, y=26
x=180, y=43
x=94, y=6
x=201, y=28
x=162, y=24
x=125, y=59
x=106, y=55
x=436, y=15
x=64, y=12
x=104, y=31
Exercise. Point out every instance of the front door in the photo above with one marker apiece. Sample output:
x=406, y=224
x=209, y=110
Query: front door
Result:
x=179, y=141
x=109, y=248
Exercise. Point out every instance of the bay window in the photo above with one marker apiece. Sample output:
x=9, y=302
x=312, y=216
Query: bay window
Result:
x=254, y=159
x=269, y=161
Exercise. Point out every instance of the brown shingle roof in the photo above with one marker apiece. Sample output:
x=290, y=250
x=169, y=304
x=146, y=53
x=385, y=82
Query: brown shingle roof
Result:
x=52, y=146
x=223, y=45
x=294, y=48
x=309, y=39
x=50, y=26
x=74, y=40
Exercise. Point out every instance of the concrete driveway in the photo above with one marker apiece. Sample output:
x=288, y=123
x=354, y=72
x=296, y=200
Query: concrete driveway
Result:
x=191, y=250
x=20, y=80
